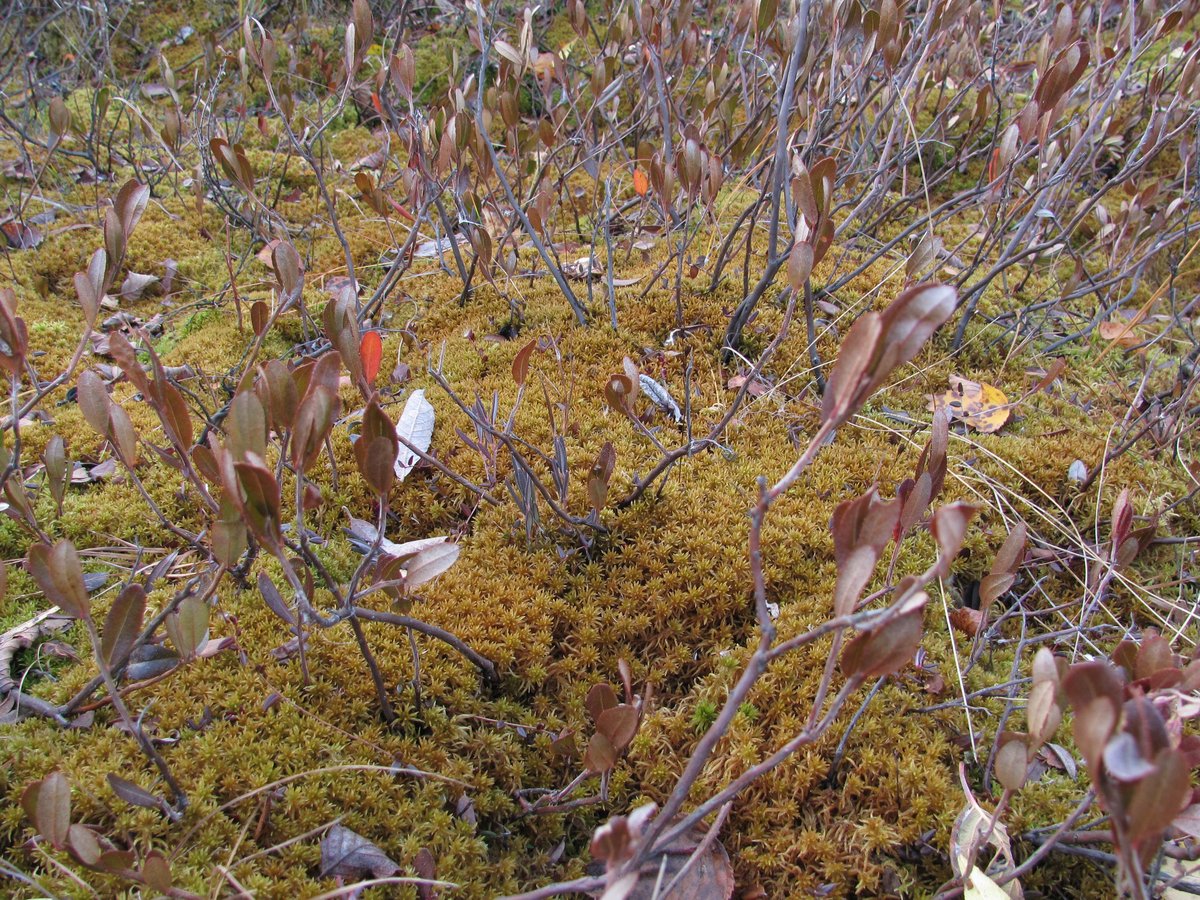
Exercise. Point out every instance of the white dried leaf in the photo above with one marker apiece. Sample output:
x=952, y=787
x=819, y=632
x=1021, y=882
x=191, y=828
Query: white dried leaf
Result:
x=136, y=284
x=430, y=563
x=660, y=396
x=363, y=536
x=415, y=427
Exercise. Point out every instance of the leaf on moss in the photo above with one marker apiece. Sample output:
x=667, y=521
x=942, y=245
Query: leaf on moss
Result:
x=347, y=854
x=979, y=405
x=415, y=429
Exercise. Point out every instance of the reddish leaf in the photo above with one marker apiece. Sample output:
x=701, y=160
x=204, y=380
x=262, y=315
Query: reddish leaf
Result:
x=48, y=804
x=599, y=698
x=888, y=646
x=123, y=624
x=60, y=576
x=619, y=724
x=260, y=315
x=601, y=755
x=371, y=352
x=82, y=843
x=1159, y=797
x=520, y=366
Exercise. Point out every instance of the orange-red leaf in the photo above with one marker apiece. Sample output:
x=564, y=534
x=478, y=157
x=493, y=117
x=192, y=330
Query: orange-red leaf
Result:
x=371, y=351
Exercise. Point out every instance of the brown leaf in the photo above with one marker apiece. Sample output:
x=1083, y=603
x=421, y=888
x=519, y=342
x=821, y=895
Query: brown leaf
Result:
x=21, y=236
x=949, y=529
x=889, y=645
x=60, y=576
x=123, y=623
x=1159, y=797
x=619, y=724
x=601, y=755
x=346, y=854
x=429, y=563
x=599, y=698
x=1012, y=761
x=966, y=620
x=1119, y=333
x=520, y=366
x=188, y=626
x=156, y=872
x=709, y=878
x=82, y=843
x=1095, y=690
x=48, y=804
x=600, y=475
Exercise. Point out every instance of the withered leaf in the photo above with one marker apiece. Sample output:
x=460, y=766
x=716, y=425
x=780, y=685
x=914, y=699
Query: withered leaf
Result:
x=981, y=406
x=415, y=428
x=347, y=854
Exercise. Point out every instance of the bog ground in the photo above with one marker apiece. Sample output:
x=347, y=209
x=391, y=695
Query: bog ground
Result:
x=663, y=449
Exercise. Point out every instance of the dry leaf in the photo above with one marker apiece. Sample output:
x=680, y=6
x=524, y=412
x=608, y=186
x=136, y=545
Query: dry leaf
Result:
x=25, y=635
x=1120, y=333
x=756, y=389
x=347, y=854
x=966, y=620
x=415, y=427
x=982, y=406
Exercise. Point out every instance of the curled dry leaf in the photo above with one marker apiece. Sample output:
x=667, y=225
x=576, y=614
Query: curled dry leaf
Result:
x=619, y=392
x=599, y=476
x=981, y=406
x=660, y=397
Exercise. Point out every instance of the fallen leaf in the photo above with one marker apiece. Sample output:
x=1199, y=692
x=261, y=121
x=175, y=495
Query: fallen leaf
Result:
x=21, y=237
x=373, y=160
x=25, y=635
x=756, y=389
x=347, y=854
x=981, y=406
x=966, y=620
x=709, y=878
x=661, y=397
x=136, y=284
x=415, y=427
x=435, y=248
x=583, y=269
x=1120, y=333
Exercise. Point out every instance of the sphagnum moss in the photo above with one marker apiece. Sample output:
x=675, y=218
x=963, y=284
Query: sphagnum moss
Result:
x=666, y=588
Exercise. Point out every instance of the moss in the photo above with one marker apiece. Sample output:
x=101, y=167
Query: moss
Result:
x=664, y=587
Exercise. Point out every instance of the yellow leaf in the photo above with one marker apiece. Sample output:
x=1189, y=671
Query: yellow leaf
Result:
x=980, y=887
x=981, y=406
